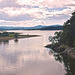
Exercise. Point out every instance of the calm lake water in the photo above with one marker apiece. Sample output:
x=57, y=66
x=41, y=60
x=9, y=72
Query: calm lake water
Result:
x=28, y=56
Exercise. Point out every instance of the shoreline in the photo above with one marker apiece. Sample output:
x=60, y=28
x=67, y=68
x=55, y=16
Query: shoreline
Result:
x=19, y=37
x=63, y=49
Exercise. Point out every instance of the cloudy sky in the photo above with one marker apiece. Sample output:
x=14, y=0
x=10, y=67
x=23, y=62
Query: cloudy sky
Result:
x=35, y=12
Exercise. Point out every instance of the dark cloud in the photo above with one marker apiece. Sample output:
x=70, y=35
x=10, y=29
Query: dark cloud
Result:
x=59, y=9
x=35, y=6
x=7, y=3
x=59, y=17
x=4, y=16
x=29, y=6
x=10, y=3
x=70, y=5
x=47, y=12
x=21, y=18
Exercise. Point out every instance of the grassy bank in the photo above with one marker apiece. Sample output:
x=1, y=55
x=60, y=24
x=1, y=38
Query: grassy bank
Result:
x=20, y=36
x=12, y=35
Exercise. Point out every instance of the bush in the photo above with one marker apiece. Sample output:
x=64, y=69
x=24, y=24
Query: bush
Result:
x=62, y=48
x=74, y=43
x=16, y=35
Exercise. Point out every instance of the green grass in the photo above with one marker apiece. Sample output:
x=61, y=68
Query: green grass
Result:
x=19, y=36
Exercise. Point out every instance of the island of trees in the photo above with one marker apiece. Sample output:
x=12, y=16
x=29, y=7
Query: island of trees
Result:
x=64, y=40
x=12, y=35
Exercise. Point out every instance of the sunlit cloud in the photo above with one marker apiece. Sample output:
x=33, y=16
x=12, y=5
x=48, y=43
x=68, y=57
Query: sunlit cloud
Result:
x=35, y=12
x=28, y=2
x=0, y=0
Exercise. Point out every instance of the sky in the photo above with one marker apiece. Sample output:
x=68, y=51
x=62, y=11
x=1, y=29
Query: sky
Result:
x=35, y=12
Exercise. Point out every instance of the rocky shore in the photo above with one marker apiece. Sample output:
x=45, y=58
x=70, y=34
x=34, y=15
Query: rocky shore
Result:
x=63, y=49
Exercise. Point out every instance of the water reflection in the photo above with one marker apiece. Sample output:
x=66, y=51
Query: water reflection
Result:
x=28, y=56
x=7, y=41
x=16, y=40
x=58, y=57
x=4, y=41
x=68, y=62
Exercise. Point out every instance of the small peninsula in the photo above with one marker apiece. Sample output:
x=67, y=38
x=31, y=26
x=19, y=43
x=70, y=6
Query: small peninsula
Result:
x=63, y=41
x=13, y=35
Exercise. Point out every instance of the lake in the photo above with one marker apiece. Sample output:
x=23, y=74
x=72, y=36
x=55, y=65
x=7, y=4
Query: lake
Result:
x=28, y=56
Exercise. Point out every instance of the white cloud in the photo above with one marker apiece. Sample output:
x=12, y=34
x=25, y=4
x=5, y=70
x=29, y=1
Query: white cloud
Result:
x=36, y=10
x=28, y=2
x=46, y=3
x=57, y=3
x=0, y=0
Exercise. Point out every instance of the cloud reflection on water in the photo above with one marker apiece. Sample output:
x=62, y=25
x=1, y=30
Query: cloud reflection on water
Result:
x=29, y=57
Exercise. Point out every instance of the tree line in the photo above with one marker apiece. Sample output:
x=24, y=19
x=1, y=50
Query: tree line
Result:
x=67, y=35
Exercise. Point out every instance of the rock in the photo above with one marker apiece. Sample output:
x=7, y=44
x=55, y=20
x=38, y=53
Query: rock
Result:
x=63, y=49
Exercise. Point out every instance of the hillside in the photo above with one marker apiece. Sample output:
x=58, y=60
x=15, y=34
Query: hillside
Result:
x=52, y=28
x=39, y=27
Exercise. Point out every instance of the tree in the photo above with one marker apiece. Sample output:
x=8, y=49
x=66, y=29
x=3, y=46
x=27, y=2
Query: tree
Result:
x=5, y=34
x=56, y=38
x=68, y=34
x=16, y=35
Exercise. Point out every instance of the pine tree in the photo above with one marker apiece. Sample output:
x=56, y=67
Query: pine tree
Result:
x=68, y=35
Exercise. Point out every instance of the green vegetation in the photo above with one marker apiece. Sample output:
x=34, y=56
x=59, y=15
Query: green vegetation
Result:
x=67, y=35
x=64, y=41
x=69, y=31
x=16, y=35
x=12, y=35
x=8, y=34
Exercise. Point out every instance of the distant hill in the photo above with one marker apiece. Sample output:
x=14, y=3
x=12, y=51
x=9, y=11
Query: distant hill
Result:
x=52, y=28
x=39, y=27
x=56, y=25
x=35, y=27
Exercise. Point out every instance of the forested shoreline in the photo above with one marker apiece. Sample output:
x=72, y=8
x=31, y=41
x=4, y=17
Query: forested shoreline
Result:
x=64, y=41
